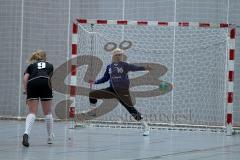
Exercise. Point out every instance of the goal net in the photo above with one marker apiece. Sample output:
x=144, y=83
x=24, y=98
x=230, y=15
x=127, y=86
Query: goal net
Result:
x=192, y=58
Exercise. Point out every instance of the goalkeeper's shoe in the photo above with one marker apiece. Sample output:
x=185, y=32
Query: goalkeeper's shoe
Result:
x=92, y=111
x=146, y=129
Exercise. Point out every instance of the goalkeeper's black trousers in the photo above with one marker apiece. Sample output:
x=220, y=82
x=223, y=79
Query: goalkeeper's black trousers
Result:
x=122, y=95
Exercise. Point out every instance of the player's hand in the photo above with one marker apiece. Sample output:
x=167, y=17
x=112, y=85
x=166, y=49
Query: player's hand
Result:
x=148, y=67
x=91, y=81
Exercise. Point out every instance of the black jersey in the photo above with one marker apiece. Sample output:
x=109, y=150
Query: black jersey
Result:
x=39, y=69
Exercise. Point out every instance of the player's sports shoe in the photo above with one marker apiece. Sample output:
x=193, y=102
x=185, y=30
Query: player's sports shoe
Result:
x=146, y=129
x=50, y=139
x=92, y=110
x=25, y=140
x=146, y=132
x=92, y=114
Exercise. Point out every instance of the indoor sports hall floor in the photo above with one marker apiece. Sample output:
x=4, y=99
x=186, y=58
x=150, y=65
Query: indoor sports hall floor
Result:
x=115, y=144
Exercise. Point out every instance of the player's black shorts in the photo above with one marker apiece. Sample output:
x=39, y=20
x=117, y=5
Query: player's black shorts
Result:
x=39, y=88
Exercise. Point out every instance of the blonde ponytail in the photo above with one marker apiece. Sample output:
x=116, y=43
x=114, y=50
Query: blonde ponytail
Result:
x=38, y=55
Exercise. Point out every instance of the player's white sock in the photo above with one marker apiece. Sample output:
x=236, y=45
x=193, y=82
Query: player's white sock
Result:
x=92, y=106
x=49, y=123
x=29, y=123
x=50, y=139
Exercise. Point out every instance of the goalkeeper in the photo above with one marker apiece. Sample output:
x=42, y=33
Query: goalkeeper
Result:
x=117, y=74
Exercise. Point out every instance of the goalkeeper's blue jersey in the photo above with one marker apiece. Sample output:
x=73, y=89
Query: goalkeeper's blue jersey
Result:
x=117, y=74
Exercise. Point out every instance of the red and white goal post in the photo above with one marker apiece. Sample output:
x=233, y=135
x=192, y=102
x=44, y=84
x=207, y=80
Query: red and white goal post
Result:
x=200, y=62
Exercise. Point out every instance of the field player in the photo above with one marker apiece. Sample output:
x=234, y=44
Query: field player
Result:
x=37, y=86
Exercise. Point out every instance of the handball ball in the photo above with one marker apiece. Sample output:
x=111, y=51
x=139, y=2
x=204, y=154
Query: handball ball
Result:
x=164, y=86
